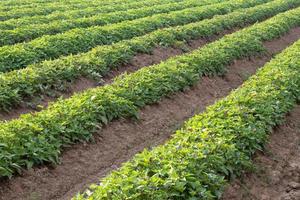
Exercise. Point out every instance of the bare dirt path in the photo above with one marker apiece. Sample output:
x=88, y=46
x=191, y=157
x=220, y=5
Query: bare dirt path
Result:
x=277, y=174
x=83, y=164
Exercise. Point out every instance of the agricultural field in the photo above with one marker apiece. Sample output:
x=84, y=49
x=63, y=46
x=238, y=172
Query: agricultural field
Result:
x=150, y=99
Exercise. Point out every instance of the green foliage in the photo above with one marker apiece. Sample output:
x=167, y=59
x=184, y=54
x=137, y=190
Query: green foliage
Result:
x=12, y=12
x=83, y=39
x=6, y=4
x=79, y=13
x=29, y=32
x=38, y=138
x=42, y=77
x=212, y=146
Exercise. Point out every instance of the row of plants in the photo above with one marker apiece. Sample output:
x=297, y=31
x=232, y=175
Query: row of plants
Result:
x=78, y=13
x=214, y=146
x=57, y=74
x=44, y=10
x=25, y=2
x=29, y=32
x=83, y=39
x=20, y=3
x=7, y=7
x=57, y=4
x=39, y=137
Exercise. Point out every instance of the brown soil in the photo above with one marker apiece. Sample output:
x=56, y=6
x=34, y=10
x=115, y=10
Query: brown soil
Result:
x=277, y=174
x=83, y=164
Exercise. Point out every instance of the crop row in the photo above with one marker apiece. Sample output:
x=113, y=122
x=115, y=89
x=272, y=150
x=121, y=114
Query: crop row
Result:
x=20, y=3
x=58, y=5
x=29, y=32
x=9, y=7
x=42, y=77
x=213, y=146
x=13, y=3
x=38, y=138
x=79, y=13
x=23, y=12
x=82, y=40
